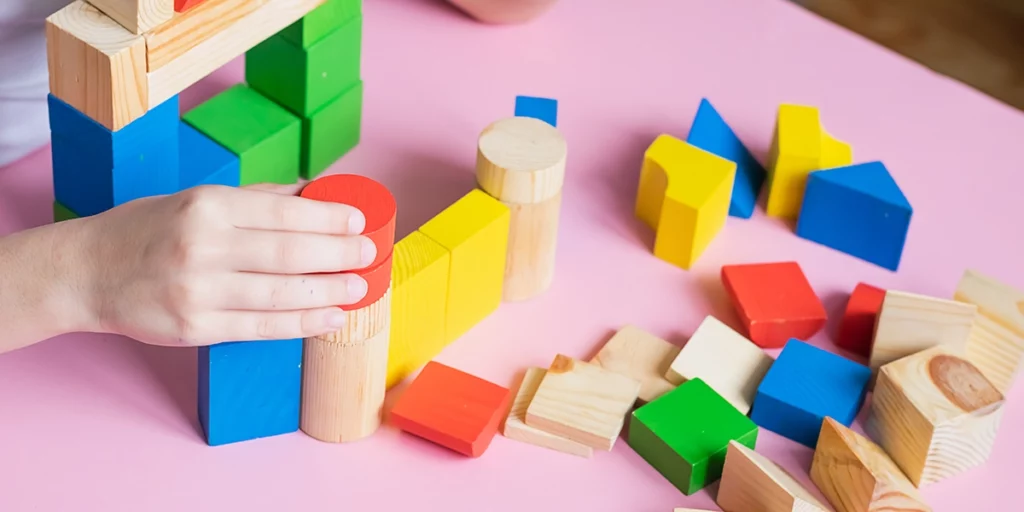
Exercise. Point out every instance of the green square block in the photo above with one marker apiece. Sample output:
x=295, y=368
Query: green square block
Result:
x=62, y=213
x=306, y=80
x=265, y=136
x=322, y=21
x=684, y=434
x=331, y=131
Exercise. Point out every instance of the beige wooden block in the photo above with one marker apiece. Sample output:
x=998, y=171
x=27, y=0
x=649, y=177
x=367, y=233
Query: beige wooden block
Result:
x=186, y=30
x=516, y=427
x=532, y=239
x=752, y=482
x=582, y=402
x=96, y=65
x=935, y=414
x=641, y=355
x=996, y=344
x=137, y=16
x=726, y=360
x=521, y=160
x=856, y=475
x=909, y=323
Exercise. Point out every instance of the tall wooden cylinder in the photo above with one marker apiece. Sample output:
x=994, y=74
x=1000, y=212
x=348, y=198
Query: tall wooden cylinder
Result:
x=521, y=162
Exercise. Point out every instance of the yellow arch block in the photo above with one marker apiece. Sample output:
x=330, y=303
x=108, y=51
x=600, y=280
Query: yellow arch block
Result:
x=684, y=196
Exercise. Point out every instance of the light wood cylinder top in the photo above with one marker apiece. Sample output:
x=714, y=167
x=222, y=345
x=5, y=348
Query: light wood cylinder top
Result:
x=521, y=160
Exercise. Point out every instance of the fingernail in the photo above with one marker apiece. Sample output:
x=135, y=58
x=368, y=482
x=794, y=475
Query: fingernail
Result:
x=336, y=319
x=368, y=252
x=356, y=223
x=356, y=288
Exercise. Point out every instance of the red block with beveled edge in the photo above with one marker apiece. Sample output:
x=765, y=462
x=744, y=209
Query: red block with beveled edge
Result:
x=184, y=5
x=857, y=327
x=452, y=408
x=774, y=301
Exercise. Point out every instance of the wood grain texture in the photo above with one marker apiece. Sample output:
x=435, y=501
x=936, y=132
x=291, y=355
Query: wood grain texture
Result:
x=137, y=16
x=935, y=414
x=532, y=240
x=856, y=475
x=97, y=66
x=909, y=323
x=640, y=355
x=996, y=343
x=752, y=482
x=521, y=160
x=516, y=427
x=185, y=30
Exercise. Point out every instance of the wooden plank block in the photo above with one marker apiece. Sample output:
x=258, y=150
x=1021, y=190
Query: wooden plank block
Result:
x=996, y=343
x=322, y=21
x=97, y=66
x=725, y=360
x=191, y=27
x=137, y=16
x=857, y=327
x=752, y=482
x=689, y=449
x=582, y=402
x=545, y=109
x=516, y=427
x=909, y=323
x=935, y=414
x=451, y=408
x=856, y=475
x=203, y=161
x=640, y=355
x=775, y=302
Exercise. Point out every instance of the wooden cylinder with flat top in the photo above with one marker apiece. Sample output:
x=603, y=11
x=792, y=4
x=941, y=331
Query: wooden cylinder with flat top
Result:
x=521, y=162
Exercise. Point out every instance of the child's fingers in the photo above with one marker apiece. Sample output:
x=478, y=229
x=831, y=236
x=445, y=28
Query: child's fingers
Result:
x=267, y=292
x=274, y=325
x=290, y=189
x=271, y=252
x=255, y=209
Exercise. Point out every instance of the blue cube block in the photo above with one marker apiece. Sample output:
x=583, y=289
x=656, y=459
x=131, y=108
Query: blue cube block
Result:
x=803, y=386
x=203, y=161
x=859, y=210
x=710, y=133
x=545, y=109
x=249, y=389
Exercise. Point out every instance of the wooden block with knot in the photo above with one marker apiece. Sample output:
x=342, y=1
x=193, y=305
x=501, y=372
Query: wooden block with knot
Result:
x=641, y=355
x=996, y=342
x=935, y=413
x=137, y=16
x=752, y=482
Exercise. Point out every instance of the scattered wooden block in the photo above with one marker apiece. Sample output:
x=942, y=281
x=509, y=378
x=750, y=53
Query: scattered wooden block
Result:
x=775, y=302
x=689, y=449
x=640, y=355
x=516, y=427
x=137, y=16
x=711, y=133
x=725, y=360
x=857, y=327
x=859, y=210
x=805, y=385
x=582, y=402
x=909, y=323
x=684, y=195
x=935, y=413
x=855, y=475
x=203, y=161
x=451, y=408
x=752, y=482
x=166, y=43
x=545, y=109
x=474, y=230
x=322, y=21
x=996, y=343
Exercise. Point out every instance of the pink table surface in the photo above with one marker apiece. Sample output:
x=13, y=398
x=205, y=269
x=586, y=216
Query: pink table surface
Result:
x=102, y=423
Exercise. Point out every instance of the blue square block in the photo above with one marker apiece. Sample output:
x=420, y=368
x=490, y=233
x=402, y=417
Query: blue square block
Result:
x=249, y=389
x=545, y=109
x=803, y=386
x=859, y=210
x=710, y=133
x=203, y=161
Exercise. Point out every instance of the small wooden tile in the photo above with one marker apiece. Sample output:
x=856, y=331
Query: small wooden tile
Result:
x=996, y=343
x=516, y=427
x=909, y=323
x=858, y=324
x=641, y=355
x=775, y=302
x=752, y=482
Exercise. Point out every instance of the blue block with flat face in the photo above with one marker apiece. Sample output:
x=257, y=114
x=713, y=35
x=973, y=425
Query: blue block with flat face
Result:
x=803, y=386
x=249, y=389
x=859, y=210
x=203, y=161
x=711, y=133
x=545, y=109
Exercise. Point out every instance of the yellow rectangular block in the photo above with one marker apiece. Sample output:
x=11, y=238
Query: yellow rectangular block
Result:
x=474, y=230
x=419, y=292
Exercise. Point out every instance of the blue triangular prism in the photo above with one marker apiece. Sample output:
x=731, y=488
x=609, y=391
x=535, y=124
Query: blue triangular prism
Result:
x=871, y=178
x=711, y=133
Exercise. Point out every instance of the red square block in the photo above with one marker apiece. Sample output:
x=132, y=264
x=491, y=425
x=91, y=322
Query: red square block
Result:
x=858, y=325
x=452, y=408
x=774, y=301
x=184, y=5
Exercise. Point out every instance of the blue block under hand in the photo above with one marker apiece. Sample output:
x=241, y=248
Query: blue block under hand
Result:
x=545, y=109
x=710, y=133
x=249, y=390
x=803, y=386
x=859, y=210
x=203, y=161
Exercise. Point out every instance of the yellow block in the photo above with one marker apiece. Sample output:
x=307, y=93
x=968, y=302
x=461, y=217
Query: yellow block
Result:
x=800, y=145
x=419, y=292
x=684, y=196
x=474, y=230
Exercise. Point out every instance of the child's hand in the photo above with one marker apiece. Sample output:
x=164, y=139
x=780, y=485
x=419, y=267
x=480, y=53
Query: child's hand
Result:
x=504, y=11
x=214, y=264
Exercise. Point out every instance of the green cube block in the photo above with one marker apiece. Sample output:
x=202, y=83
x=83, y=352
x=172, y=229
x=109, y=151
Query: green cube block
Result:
x=265, y=136
x=304, y=80
x=331, y=131
x=684, y=434
x=62, y=213
x=322, y=21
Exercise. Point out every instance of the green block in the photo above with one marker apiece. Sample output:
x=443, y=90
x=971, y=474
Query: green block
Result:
x=62, y=213
x=684, y=434
x=322, y=21
x=331, y=131
x=265, y=136
x=306, y=80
